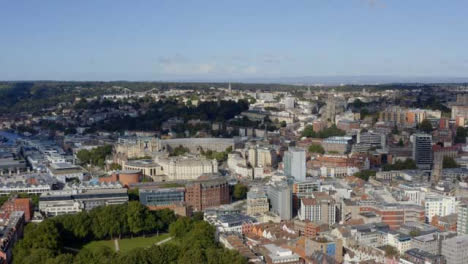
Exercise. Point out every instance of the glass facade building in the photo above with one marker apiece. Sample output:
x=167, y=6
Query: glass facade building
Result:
x=161, y=196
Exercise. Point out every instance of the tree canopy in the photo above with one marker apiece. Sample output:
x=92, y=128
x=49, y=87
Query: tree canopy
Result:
x=461, y=135
x=426, y=126
x=408, y=164
x=96, y=156
x=327, y=132
x=240, y=191
x=179, y=150
x=365, y=174
x=449, y=162
x=195, y=239
x=316, y=148
x=219, y=156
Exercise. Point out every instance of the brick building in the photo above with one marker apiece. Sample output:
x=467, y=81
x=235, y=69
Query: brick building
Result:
x=12, y=225
x=19, y=204
x=396, y=215
x=206, y=193
x=126, y=177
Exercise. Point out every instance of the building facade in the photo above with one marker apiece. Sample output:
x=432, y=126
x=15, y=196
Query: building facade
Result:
x=455, y=249
x=74, y=201
x=257, y=202
x=280, y=197
x=203, y=194
x=295, y=163
x=422, y=150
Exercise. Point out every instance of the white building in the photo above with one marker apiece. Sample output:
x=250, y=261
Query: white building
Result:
x=439, y=205
x=186, y=167
x=295, y=163
x=64, y=171
x=400, y=241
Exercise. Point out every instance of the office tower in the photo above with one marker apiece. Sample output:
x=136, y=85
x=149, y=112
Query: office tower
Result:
x=462, y=219
x=422, y=150
x=331, y=108
x=266, y=157
x=320, y=208
x=253, y=156
x=280, y=197
x=295, y=163
x=455, y=249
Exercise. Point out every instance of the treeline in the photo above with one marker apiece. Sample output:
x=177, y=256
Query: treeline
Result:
x=219, y=156
x=193, y=240
x=408, y=164
x=45, y=242
x=34, y=96
x=96, y=156
x=197, y=244
x=365, y=174
x=161, y=111
x=325, y=133
x=460, y=136
x=431, y=102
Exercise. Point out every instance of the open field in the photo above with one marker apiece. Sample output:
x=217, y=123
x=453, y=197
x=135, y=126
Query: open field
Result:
x=128, y=244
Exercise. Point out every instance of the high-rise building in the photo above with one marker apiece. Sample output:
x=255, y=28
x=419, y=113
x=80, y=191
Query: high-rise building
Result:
x=438, y=166
x=266, y=157
x=455, y=249
x=253, y=157
x=295, y=163
x=422, y=150
x=462, y=219
x=330, y=111
x=320, y=208
x=280, y=197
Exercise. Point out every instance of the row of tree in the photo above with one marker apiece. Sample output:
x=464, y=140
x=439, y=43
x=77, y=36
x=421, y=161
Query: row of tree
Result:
x=365, y=174
x=50, y=237
x=161, y=111
x=193, y=239
x=96, y=156
x=197, y=243
x=219, y=156
x=325, y=133
x=408, y=164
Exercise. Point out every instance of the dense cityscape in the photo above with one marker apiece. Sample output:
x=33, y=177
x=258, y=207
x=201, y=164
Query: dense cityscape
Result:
x=234, y=132
x=233, y=173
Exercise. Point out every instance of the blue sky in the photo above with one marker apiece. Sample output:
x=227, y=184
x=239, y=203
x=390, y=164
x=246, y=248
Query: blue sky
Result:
x=235, y=39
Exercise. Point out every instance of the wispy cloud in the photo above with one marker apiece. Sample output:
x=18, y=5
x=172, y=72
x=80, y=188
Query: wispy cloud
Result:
x=374, y=3
x=270, y=58
x=183, y=66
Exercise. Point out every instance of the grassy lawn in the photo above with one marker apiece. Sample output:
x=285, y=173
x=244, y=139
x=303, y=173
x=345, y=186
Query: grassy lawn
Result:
x=127, y=244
